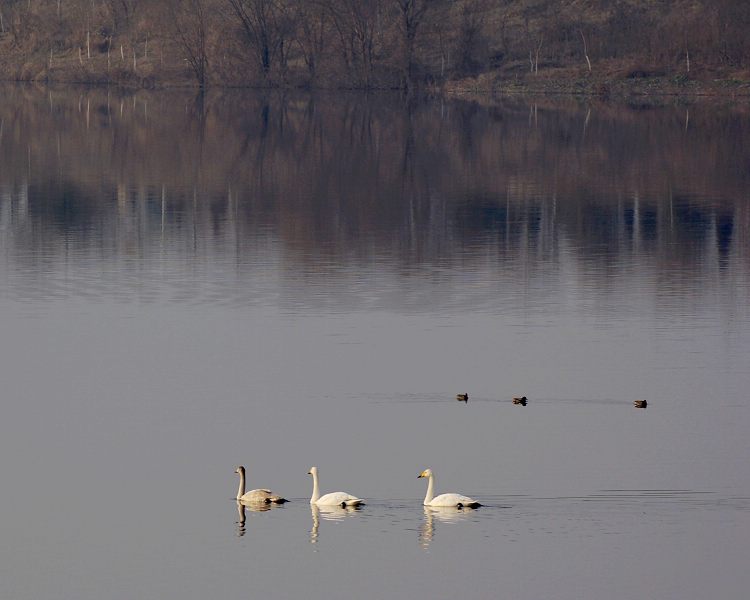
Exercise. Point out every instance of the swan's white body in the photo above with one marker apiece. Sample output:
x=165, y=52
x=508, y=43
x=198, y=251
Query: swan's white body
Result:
x=332, y=499
x=259, y=496
x=444, y=500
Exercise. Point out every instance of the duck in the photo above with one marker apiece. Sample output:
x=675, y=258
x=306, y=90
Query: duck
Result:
x=462, y=397
x=520, y=400
x=259, y=496
x=342, y=499
x=640, y=403
x=444, y=500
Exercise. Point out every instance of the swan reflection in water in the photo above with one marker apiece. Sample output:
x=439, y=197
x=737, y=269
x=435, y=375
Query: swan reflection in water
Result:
x=443, y=514
x=252, y=507
x=328, y=513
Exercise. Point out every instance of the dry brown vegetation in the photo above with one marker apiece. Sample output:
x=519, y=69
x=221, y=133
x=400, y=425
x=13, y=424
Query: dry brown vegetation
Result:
x=367, y=44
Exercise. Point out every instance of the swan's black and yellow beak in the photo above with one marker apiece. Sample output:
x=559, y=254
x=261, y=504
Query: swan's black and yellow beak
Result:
x=420, y=476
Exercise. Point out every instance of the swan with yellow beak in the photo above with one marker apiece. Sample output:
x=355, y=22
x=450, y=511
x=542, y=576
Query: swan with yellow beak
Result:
x=455, y=500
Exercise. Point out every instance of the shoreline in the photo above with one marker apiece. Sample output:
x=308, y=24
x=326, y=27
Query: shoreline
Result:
x=603, y=88
x=485, y=87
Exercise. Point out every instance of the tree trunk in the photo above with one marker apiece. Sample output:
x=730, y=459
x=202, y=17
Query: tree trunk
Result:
x=585, y=50
x=536, y=57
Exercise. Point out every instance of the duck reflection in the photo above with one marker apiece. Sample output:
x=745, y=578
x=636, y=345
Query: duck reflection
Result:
x=252, y=507
x=328, y=513
x=443, y=514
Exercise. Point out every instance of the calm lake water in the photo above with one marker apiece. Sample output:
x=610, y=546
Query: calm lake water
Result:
x=287, y=282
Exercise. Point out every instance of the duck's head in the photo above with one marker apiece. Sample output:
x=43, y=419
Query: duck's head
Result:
x=425, y=473
x=313, y=471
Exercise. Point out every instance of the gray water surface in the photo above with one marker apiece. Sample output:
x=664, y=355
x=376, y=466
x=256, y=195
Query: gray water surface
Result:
x=288, y=282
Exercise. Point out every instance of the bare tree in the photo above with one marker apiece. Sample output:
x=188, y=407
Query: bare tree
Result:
x=267, y=27
x=190, y=31
x=358, y=24
x=535, y=41
x=123, y=13
x=413, y=13
x=469, y=40
x=585, y=49
x=311, y=33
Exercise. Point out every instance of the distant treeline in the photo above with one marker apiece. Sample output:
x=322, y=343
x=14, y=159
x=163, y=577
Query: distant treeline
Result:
x=368, y=44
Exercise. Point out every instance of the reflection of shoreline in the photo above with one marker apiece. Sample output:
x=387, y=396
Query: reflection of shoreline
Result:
x=443, y=514
x=328, y=513
x=622, y=258
x=525, y=216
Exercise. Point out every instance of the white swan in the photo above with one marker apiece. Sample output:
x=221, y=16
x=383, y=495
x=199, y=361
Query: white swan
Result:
x=332, y=499
x=259, y=496
x=456, y=500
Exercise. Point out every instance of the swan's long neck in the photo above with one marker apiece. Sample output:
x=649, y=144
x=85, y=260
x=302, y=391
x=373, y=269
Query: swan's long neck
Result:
x=316, y=489
x=430, y=490
x=241, y=489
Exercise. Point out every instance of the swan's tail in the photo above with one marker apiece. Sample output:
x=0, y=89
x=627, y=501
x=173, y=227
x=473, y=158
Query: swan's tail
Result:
x=276, y=500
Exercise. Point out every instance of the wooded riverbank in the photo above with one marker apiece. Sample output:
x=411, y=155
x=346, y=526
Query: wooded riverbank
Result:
x=605, y=49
